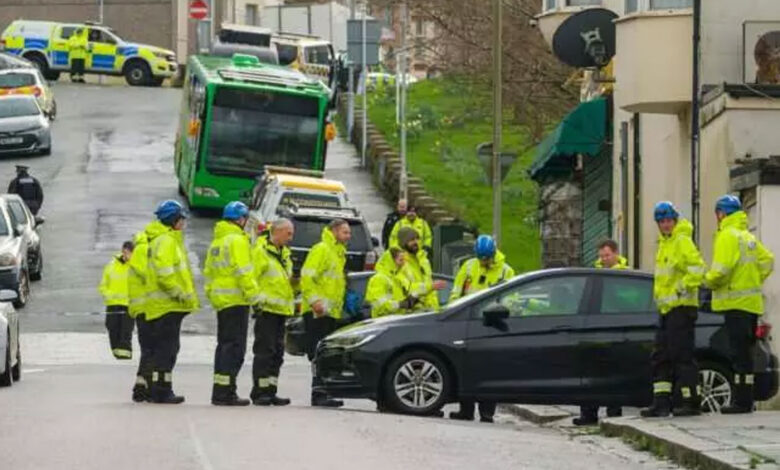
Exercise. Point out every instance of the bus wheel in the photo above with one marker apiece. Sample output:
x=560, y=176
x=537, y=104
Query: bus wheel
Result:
x=137, y=73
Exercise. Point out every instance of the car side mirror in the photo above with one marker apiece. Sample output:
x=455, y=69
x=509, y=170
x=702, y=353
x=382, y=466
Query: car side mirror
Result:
x=7, y=295
x=39, y=220
x=18, y=230
x=375, y=242
x=495, y=316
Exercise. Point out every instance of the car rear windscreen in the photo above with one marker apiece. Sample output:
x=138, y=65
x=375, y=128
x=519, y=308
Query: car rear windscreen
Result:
x=16, y=80
x=321, y=201
x=18, y=107
x=308, y=232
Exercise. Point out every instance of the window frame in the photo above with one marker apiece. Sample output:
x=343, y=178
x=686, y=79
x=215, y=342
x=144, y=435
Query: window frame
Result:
x=12, y=213
x=600, y=289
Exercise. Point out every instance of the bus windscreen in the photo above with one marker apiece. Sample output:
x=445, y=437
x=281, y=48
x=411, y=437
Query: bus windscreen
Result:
x=252, y=129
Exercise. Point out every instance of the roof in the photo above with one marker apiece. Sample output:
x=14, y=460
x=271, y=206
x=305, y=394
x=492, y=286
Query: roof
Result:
x=307, y=182
x=346, y=213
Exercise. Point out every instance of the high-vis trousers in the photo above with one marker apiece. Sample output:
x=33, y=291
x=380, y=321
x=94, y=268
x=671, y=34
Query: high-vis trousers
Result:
x=269, y=353
x=741, y=327
x=672, y=359
x=232, y=327
x=166, y=331
x=317, y=329
x=143, y=377
x=120, y=331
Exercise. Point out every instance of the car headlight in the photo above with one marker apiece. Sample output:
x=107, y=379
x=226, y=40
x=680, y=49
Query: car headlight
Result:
x=165, y=56
x=8, y=259
x=353, y=339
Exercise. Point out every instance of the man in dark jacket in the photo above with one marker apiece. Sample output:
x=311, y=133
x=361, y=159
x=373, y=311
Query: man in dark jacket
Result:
x=391, y=220
x=28, y=188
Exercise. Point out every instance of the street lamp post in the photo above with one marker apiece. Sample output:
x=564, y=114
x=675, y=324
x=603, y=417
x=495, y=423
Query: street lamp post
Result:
x=497, y=119
x=402, y=186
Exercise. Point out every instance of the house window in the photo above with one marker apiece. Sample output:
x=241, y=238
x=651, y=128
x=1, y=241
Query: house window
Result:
x=251, y=15
x=549, y=4
x=632, y=6
x=582, y=3
x=670, y=4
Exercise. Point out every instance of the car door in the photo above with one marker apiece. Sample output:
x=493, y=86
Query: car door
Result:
x=20, y=218
x=58, y=50
x=535, y=356
x=101, y=55
x=617, y=338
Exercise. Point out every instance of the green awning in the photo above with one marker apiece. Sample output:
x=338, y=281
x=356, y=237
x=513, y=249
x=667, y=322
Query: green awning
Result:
x=582, y=131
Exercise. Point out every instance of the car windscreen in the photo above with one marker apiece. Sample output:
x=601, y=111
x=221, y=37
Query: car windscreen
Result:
x=319, y=55
x=16, y=79
x=18, y=107
x=308, y=232
x=322, y=201
x=3, y=226
x=245, y=37
x=251, y=129
x=288, y=53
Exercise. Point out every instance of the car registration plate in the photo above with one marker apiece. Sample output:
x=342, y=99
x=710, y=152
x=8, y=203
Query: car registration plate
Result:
x=11, y=140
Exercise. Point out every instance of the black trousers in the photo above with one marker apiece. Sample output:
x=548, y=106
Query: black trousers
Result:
x=120, y=331
x=146, y=342
x=166, y=331
x=316, y=329
x=486, y=408
x=741, y=327
x=268, y=349
x=77, y=68
x=672, y=359
x=232, y=327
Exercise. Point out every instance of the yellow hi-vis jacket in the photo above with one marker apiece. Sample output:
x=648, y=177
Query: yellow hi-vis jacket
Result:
x=171, y=288
x=740, y=265
x=419, y=225
x=473, y=277
x=417, y=272
x=137, y=288
x=621, y=264
x=679, y=269
x=113, y=286
x=274, y=271
x=230, y=281
x=77, y=44
x=323, y=277
x=386, y=289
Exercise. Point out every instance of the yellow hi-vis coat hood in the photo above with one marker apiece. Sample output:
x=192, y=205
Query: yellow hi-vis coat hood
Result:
x=171, y=287
x=230, y=281
x=740, y=265
x=621, y=264
x=679, y=269
x=419, y=225
x=417, y=272
x=472, y=277
x=273, y=272
x=385, y=290
x=113, y=286
x=323, y=277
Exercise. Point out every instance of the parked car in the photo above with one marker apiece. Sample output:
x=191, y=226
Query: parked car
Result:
x=24, y=128
x=561, y=336
x=11, y=61
x=29, y=81
x=10, y=351
x=20, y=247
x=282, y=186
x=356, y=282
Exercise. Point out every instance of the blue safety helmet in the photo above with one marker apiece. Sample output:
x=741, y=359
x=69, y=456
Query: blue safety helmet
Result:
x=665, y=210
x=485, y=247
x=168, y=212
x=235, y=210
x=728, y=204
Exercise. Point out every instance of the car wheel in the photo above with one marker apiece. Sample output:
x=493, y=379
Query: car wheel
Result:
x=156, y=81
x=53, y=111
x=16, y=371
x=716, y=387
x=417, y=383
x=6, y=377
x=23, y=291
x=137, y=74
x=38, y=273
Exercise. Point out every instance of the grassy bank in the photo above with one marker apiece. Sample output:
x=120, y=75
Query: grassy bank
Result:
x=446, y=121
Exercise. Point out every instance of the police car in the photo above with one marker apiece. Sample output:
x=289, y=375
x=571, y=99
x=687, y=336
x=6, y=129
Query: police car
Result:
x=45, y=44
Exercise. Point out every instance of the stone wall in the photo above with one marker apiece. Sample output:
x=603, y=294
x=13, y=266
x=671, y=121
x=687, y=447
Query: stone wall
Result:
x=560, y=220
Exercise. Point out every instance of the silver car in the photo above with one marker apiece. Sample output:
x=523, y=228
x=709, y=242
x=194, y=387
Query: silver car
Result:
x=24, y=128
x=10, y=357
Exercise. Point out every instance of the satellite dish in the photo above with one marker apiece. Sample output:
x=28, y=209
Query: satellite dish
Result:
x=586, y=39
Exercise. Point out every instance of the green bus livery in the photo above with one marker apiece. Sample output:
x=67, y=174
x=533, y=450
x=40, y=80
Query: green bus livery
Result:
x=237, y=116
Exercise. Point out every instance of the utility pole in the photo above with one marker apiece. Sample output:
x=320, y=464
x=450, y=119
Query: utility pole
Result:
x=100, y=11
x=695, y=127
x=402, y=104
x=364, y=76
x=497, y=119
x=351, y=84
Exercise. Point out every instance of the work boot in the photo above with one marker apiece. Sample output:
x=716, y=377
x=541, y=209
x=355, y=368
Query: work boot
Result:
x=460, y=415
x=660, y=408
x=585, y=420
x=140, y=394
x=742, y=403
x=486, y=419
x=232, y=400
x=325, y=401
x=162, y=391
x=614, y=412
x=689, y=407
x=279, y=401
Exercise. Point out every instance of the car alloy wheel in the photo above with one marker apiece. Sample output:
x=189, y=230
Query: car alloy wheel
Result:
x=418, y=384
x=715, y=390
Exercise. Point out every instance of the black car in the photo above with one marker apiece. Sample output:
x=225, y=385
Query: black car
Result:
x=20, y=247
x=561, y=336
x=295, y=342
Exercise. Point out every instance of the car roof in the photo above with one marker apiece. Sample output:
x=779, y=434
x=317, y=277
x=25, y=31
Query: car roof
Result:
x=28, y=69
x=308, y=182
x=346, y=213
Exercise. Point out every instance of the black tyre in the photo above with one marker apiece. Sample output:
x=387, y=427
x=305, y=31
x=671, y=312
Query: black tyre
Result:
x=416, y=383
x=53, y=112
x=717, y=388
x=46, y=152
x=40, y=63
x=38, y=273
x=137, y=73
x=6, y=377
x=156, y=81
x=16, y=371
x=23, y=291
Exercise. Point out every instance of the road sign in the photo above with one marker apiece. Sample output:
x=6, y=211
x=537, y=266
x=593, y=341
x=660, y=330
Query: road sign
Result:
x=485, y=155
x=355, y=41
x=199, y=10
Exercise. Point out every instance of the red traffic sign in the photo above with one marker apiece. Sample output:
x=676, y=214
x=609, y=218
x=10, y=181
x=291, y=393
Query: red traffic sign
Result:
x=198, y=9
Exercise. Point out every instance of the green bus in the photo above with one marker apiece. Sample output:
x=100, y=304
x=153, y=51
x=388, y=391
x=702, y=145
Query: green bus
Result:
x=238, y=115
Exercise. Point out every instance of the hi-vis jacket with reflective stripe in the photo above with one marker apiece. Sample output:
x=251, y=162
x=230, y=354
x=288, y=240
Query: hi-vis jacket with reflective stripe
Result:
x=419, y=225
x=621, y=264
x=473, y=277
x=740, y=265
x=386, y=289
x=230, y=281
x=273, y=271
x=323, y=277
x=171, y=288
x=77, y=44
x=679, y=269
x=417, y=272
x=113, y=286
x=137, y=276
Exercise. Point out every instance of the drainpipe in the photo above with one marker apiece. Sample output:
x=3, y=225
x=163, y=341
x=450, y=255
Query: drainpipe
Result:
x=624, y=186
x=695, y=130
x=637, y=191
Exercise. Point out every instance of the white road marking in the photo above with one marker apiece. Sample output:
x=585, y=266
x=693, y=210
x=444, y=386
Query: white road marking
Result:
x=205, y=463
x=32, y=371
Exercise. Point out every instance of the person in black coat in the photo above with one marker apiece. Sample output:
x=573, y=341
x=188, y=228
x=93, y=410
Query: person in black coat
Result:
x=391, y=220
x=28, y=188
